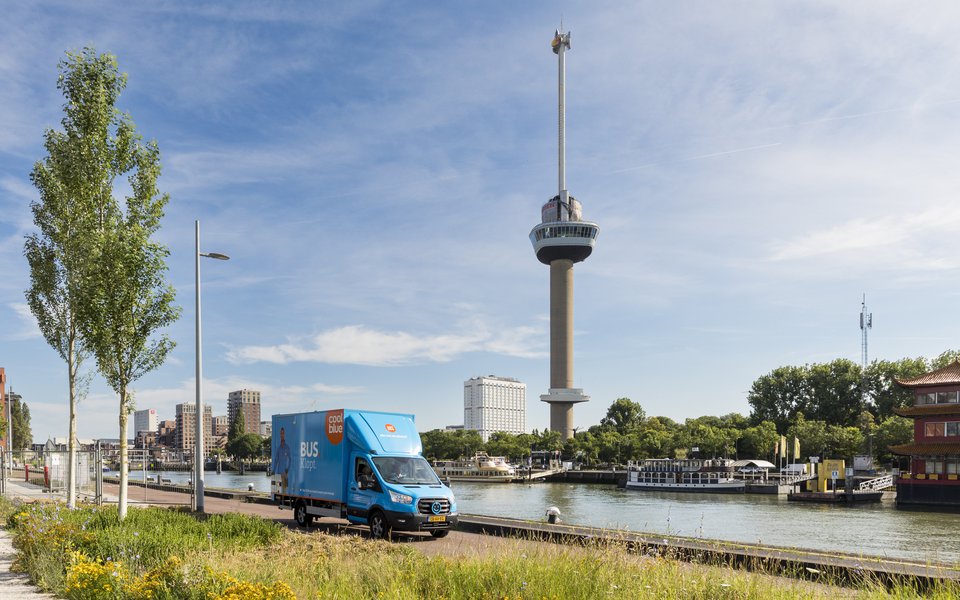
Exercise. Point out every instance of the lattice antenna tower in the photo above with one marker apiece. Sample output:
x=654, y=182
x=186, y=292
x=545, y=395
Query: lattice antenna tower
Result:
x=866, y=324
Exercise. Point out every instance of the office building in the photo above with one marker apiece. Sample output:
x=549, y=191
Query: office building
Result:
x=145, y=420
x=494, y=404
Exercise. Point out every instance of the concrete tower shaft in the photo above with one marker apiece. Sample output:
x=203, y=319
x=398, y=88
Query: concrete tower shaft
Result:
x=561, y=324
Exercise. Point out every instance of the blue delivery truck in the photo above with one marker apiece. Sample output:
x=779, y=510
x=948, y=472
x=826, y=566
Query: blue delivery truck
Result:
x=362, y=466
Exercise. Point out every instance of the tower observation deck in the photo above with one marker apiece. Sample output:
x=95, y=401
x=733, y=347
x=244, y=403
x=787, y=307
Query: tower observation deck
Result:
x=561, y=239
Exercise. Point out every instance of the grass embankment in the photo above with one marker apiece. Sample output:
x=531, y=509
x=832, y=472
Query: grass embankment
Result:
x=161, y=553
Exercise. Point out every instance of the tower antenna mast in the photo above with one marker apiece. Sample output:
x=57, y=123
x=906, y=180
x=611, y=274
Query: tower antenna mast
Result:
x=866, y=324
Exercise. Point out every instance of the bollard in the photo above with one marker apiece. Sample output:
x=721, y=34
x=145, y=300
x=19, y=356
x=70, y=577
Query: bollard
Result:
x=553, y=515
x=26, y=473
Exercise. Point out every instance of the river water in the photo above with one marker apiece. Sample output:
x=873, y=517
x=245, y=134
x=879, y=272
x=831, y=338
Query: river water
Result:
x=877, y=529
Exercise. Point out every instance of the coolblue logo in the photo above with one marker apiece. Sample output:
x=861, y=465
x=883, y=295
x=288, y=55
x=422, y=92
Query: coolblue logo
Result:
x=436, y=507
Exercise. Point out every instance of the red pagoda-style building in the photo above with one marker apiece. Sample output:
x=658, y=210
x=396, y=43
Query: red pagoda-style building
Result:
x=935, y=451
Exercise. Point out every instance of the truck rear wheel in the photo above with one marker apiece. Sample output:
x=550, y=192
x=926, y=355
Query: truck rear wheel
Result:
x=301, y=516
x=379, y=526
x=439, y=533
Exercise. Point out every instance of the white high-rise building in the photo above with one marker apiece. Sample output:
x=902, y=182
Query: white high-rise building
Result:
x=145, y=420
x=494, y=404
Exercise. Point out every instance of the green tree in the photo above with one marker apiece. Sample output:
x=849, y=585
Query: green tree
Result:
x=624, y=415
x=881, y=386
x=547, y=440
x=245, y=447
x=514, y=446
x=844, y=442
x=813, y=436
x=947, y=357
x=758, y=441
x=266, y=449
x=610, y=446
x=657, y=438
x=835, y=392
x=779, y=396
x=22, y=436
x=891, y=432
x=237, y=426
x=127, y=300
x=75, y=182
x=448, y=445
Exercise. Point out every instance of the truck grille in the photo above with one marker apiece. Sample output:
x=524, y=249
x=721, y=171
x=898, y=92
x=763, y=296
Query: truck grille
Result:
x=425, y=506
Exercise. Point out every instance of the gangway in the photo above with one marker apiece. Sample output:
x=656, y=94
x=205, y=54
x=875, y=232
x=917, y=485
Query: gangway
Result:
x=531, y=475
x=878, y=483
x=794, y=479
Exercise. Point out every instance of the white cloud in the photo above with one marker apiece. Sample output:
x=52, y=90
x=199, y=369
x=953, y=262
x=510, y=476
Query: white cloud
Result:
x=360, y=345
x=886, y=233
x=28, y=324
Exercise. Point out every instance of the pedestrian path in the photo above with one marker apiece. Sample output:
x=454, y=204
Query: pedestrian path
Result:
x=14, y=586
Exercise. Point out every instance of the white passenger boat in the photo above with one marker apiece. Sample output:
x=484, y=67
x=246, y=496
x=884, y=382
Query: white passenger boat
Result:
x=481, y=467
x=684, y=475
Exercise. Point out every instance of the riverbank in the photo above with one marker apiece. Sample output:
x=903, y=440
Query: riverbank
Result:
x=792, y=562
x=133, y=559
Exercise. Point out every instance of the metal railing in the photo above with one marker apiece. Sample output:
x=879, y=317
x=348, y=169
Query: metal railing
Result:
x=878, y=483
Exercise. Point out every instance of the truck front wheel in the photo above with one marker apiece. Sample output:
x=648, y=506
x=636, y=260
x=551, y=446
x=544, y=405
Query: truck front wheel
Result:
x=379, y=526
x=301, y=516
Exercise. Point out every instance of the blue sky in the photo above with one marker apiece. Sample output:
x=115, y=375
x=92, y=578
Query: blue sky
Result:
x=374, y=168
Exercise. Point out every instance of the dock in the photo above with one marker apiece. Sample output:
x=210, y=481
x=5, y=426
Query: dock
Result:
x=838, y=497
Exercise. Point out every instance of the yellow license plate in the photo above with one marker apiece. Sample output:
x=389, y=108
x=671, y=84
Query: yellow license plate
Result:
x=439, y=519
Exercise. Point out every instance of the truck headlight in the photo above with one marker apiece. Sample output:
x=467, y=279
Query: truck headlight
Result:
x=400, y=498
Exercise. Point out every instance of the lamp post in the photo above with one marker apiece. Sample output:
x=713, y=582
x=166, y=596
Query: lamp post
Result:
x=198, y=430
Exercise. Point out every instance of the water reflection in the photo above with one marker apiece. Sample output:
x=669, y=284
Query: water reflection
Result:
x=875, y=529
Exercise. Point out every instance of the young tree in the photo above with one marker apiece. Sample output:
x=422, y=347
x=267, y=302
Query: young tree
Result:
x=127, y=299
x=75, y=182
x=22, y=436
x=237, y=426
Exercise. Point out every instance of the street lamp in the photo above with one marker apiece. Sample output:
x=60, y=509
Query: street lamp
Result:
x=198, y=430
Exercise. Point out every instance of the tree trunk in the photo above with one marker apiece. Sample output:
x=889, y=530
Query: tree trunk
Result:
x=122, y=503
x=72, y=428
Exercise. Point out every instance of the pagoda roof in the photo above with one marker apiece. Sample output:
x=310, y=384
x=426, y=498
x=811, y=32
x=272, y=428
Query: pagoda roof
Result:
x=927, y=449
x=931, y=410
x=948, y=375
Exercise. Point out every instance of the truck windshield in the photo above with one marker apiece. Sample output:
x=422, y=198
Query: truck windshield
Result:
x=406, y=470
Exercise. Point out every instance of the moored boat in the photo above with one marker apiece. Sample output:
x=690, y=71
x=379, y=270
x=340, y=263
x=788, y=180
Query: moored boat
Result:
x=480, y=467
x=684, y=475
